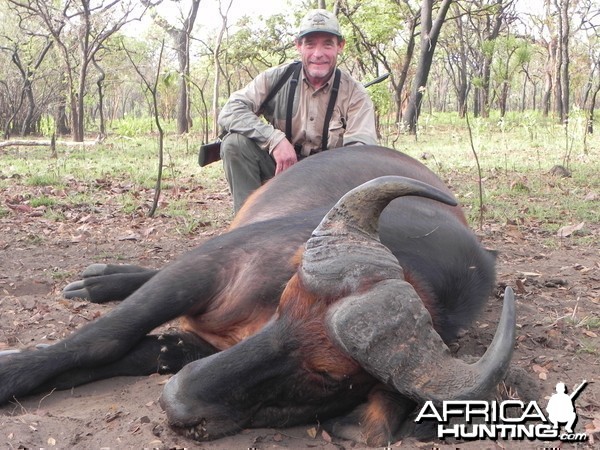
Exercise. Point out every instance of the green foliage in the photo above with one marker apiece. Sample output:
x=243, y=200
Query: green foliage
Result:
x=516, y=156
x=42, y=201
x=512, y=53
x=524, y=53
x=47, y=126
x=133, y=126
x=376, y=32
x=44, y=179
x=488, y=47
x=382, y=98
x=380, y=21
x=258, y=45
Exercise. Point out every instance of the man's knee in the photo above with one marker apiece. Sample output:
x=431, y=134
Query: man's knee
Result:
x=235, y=145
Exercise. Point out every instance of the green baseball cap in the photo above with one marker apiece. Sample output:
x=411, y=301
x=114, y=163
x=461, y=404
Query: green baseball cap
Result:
x=319, y=20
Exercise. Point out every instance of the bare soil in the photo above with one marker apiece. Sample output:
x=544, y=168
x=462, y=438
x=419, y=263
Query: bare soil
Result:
x=557, y=281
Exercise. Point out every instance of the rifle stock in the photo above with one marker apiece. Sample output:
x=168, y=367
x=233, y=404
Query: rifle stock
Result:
x=209, y=153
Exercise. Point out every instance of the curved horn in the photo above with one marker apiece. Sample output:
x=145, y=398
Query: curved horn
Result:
x=389, y=332
x=350, y=229
x=361, y=207
x=380, y=320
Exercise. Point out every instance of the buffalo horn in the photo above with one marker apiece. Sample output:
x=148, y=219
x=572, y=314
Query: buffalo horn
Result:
x=386, y=327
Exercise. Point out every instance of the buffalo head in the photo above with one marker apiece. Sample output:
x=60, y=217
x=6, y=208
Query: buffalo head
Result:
x=348, y=322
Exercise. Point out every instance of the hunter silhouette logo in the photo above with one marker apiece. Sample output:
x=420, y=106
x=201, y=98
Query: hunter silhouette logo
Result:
x=509, y=419
x=561, y=406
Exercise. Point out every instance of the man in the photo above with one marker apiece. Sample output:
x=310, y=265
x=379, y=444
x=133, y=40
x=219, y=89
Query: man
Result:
x=254, y=150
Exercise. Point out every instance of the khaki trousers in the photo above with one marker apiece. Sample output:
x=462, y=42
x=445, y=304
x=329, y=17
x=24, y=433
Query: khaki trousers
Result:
x=246, y=165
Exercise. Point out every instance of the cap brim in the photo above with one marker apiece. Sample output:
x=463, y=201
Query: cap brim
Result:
x=319, y=30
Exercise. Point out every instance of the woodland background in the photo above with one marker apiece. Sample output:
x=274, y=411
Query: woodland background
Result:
x=495, y=96
x=87, y=68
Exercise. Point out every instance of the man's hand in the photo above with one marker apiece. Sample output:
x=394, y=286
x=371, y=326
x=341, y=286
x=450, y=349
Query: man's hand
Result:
x=284, y=156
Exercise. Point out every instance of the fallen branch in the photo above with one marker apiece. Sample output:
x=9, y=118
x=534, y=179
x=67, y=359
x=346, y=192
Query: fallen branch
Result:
x=47, y=143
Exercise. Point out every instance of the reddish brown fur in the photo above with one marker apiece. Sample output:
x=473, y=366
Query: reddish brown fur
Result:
x=383, y=416
x=244, y=214
x=306, y=311
x=300, y=305
x=232, y=315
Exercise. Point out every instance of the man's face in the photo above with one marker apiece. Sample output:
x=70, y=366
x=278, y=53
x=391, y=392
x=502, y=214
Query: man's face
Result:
x=319, y=52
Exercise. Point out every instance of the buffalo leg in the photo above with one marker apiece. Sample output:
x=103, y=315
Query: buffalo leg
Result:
x=104, y=282
x=164, y=353
x=111, y=336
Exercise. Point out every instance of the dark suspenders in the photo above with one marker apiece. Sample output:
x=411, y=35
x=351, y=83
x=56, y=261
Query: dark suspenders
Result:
x=293, y=67
x=332, y=99
x=290, y=102
x=293, y=70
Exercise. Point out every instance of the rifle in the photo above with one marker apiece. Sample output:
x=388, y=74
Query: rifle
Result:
x=211, y=152
x=577, y=390
x=379, y=79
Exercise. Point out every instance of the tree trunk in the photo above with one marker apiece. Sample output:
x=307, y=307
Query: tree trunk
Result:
x=524, y=93
x=429, y=36
x=399, y=86
x=217, y=70
x=74, y=118
x=488, y=58
x=477, y=103
x=547, y=97
x=590, y=122
x=461, y=83
x=61, y=122
x=564, y=68
x=100, y=84
x=503, y=99
x=182, y=38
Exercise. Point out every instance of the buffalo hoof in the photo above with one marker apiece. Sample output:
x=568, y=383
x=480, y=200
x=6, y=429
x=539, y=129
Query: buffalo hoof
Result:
x=77, y=289
x=101, y=283
x=94, y=270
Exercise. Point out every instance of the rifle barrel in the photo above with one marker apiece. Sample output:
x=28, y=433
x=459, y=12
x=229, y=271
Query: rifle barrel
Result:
x=578, y=389
x=379, y=79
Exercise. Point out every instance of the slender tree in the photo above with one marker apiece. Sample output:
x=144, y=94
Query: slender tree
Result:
x=430, y=32
x=152, y=87
x=27, y=70
x=181, y=36
x=217, y=63
x=83, y=25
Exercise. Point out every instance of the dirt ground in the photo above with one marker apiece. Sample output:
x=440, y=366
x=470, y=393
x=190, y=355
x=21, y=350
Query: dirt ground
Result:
x=557, y=282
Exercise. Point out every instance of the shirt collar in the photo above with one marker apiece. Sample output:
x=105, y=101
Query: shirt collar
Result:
x=326, y=87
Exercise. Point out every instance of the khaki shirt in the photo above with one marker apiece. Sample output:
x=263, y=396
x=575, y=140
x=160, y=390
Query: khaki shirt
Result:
x=352, y=122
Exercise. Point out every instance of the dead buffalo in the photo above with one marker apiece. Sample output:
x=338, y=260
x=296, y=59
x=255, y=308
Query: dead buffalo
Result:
x=299, y=312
